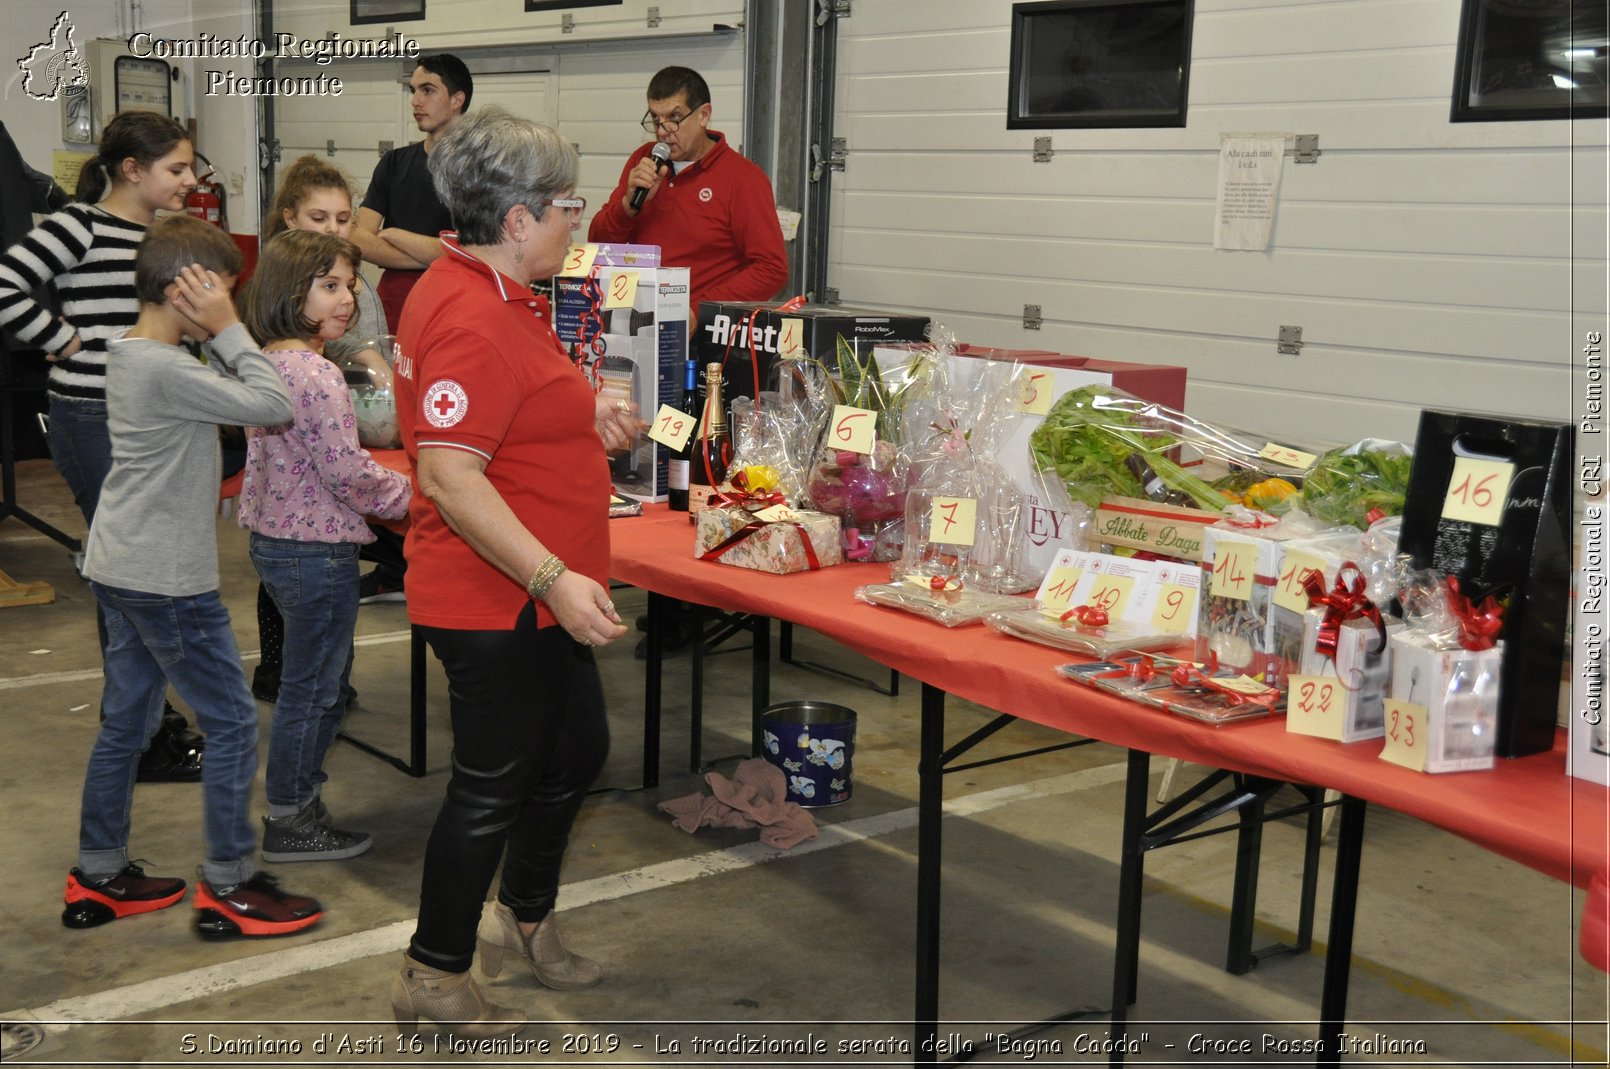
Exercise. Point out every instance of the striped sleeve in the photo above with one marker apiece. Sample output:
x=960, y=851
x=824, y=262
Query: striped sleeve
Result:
x=50, y=250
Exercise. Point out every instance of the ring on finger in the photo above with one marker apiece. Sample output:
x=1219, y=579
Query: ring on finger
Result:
x=206, y=285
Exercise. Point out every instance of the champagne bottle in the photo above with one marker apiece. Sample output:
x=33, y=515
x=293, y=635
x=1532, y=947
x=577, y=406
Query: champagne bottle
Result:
x=676, y=466
x=707, y=467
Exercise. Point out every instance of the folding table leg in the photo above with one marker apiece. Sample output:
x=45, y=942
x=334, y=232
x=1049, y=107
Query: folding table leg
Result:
x=930, y=803
x=1126, y=955
x=760, y=678
x=1244, y=898
x=1339, y=952
x=654, y=662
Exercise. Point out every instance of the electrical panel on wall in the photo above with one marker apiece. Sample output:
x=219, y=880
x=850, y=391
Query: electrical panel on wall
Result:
x=119, y=80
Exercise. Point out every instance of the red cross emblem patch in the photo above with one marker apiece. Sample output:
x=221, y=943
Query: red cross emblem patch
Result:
x=445, y=403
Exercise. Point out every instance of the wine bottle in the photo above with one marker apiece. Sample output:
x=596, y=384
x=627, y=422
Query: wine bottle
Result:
x=676, y=466
x=1153, y=484
x=707, y=467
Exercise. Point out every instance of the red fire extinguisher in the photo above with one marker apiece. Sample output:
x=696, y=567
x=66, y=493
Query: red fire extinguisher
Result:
x=206, y=201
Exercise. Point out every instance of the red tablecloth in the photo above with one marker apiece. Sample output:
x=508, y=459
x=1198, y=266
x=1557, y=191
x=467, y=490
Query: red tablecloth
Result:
x=1526, y=809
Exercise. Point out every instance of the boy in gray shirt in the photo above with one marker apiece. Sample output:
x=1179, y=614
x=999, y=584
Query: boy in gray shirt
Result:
x=153, y=564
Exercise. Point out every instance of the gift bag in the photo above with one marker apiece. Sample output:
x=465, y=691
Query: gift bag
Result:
x=1489, y=503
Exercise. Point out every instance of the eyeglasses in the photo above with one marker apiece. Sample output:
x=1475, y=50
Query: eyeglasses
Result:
x=573, y=206
x=651, y=125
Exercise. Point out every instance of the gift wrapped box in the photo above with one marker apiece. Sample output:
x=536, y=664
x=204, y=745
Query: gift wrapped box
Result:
x=734, y=535
x=1236, y=612
x=1324, y=553
x=1361, y=669
x=1454, y=692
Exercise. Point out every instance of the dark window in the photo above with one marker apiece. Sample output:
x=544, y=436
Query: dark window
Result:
x=1099, y=63
x=366, y=11
x=1531, y=59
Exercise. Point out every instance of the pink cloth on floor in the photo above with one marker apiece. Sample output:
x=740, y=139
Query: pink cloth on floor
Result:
x=755, y=796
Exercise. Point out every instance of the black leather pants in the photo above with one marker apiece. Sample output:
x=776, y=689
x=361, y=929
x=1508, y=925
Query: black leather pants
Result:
x=529, y=737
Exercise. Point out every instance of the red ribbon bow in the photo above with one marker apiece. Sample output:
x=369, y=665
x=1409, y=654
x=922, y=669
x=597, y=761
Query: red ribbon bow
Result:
x=1345, y=601
x=1479, y=624
x=1091, y=616
x=1142, y=668
x=740, y=496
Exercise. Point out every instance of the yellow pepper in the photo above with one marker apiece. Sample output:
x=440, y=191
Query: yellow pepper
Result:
x=1270, y=495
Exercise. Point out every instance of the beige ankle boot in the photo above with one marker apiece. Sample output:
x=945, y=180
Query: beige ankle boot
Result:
x=451, y=1000
x=550, y=962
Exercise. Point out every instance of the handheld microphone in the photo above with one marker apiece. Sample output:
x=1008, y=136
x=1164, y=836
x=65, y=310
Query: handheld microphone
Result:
x=661, y=154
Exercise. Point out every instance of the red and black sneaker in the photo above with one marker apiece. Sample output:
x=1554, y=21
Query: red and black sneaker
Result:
x=91, y=903
x=253, y=908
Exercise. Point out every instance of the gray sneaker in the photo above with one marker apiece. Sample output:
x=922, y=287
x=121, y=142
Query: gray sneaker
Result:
x=307, y=837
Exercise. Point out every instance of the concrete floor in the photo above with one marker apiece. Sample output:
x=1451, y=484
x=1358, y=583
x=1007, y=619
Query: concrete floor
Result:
x=710, y=936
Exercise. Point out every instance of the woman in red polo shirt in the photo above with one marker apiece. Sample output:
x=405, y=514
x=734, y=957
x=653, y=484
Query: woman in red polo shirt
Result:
x=508, y=557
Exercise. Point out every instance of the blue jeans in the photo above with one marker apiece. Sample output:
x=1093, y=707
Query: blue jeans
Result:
x=315, y=587
x=154, y=640
x=81, y=446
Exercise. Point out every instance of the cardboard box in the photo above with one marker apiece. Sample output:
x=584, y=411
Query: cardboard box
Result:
x=1323, y=553
x=1140, y=523
x=778, y=548
x=735, y=333
x=1240, y=570
x=1456, y=691
x=1361, y=669
x=641, y=353
x=1489, y=501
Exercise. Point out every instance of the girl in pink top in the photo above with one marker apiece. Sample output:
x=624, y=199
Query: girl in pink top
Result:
x=307, y=488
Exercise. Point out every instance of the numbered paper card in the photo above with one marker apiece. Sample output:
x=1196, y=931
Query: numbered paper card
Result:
x=1056, y=592
x=1287, y=457
x=791, y=340
x=1034, y=392
x=579, y=259
x=1173, y=606
x=1478, y=490
x=953, y=521
x=1234, y=566
x=622, y=290
x=1315, y=705
x=1111, y=591
x=1296, y=564
x=1405, y=735
x=671, y=428
x=855, y=430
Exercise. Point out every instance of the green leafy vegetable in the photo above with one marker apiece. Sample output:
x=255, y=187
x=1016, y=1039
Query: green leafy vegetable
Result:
x=1346, y=484
x=1087, y=445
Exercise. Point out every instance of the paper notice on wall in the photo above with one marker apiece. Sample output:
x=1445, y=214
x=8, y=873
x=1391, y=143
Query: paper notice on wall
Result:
x=1249, y=183
x=64, y=167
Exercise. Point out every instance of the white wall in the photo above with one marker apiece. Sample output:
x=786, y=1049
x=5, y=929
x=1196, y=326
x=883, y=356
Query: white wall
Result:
x=1428, y=263
x=588, y=84
x=226, y=127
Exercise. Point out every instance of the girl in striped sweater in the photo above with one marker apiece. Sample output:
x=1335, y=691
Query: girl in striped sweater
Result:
x=87, y=251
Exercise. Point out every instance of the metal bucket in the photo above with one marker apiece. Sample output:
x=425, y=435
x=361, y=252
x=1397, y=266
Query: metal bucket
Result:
x=813, y=743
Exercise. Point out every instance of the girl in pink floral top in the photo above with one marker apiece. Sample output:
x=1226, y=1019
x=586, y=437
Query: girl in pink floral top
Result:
x=307, y=488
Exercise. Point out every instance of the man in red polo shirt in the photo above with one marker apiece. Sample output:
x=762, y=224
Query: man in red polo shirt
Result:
x=710, y=210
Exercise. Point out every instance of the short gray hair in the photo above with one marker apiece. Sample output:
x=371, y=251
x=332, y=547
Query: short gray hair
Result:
x=489, y=161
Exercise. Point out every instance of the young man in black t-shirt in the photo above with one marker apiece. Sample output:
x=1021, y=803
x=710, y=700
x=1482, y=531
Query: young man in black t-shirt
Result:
x=397, y=228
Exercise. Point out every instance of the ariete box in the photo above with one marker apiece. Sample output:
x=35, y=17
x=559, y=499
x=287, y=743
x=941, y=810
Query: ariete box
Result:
x=740, y=334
